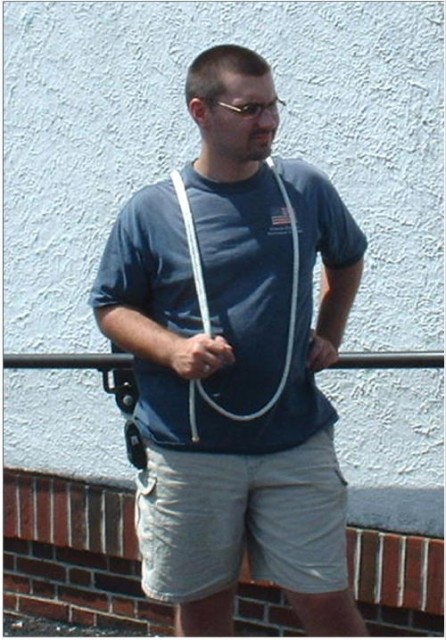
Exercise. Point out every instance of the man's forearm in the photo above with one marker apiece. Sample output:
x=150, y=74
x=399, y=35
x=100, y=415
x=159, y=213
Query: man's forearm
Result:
x=338, y=291
x=191, y=358
x=134, y=332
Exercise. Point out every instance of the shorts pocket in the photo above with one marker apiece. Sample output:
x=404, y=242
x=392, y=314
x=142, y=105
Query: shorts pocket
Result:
x=146, y=482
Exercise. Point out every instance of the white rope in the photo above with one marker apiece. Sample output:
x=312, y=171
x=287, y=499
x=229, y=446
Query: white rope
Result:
x=204, y=308
x=193, y=250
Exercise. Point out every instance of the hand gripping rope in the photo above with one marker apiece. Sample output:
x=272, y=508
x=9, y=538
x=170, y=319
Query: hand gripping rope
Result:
x=204, y=308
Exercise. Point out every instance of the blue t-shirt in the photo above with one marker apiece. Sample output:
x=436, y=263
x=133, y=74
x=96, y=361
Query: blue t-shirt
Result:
x=245, y=242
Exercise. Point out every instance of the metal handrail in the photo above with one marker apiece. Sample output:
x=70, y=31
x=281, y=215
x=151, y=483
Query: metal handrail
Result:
x=107, y=362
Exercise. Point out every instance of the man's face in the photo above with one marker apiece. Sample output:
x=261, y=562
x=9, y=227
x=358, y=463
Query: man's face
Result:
x=235, y=137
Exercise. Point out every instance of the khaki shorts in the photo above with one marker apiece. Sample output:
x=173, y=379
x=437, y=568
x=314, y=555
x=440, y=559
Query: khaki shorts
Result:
x=197, y=513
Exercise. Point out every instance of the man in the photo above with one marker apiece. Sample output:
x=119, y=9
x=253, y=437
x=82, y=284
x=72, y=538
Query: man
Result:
x=239, y=438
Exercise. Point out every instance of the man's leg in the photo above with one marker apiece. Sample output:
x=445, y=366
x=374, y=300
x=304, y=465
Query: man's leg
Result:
x=296, y=535
x=328, y=614
x=211, y=616
x=190, y=516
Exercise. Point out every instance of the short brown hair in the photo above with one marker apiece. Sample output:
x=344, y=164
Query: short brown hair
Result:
x=204, y=74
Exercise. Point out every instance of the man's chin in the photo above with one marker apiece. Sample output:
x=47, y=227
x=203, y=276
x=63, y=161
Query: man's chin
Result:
x=260, y=153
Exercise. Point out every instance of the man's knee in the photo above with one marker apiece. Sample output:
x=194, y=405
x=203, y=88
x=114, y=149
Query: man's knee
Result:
x=210, y=616
x=222, y=598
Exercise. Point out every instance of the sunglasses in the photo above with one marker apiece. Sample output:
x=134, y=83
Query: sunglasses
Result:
x=254, y=109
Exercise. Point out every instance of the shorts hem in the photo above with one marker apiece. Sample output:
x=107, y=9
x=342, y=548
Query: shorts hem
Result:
x=302, y=588
x=171, y=598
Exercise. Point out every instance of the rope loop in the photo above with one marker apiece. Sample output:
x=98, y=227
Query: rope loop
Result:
x=197, y=269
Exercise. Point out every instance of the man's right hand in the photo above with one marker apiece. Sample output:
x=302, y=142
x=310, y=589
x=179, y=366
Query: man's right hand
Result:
x=199, y=357
x=191, y=358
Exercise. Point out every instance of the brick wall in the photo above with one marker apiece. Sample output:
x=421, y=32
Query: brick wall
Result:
x=71, y=555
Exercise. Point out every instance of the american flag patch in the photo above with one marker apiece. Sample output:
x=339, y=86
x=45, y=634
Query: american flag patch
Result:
x=283, y=218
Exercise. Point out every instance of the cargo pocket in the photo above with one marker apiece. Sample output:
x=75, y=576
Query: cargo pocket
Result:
x=146, y=481
x=145, y=505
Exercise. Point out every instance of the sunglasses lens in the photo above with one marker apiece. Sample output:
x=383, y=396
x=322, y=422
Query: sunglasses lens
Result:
x=251, y=110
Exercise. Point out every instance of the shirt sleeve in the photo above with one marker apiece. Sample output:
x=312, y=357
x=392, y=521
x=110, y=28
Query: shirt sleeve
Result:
x=341, y=241
x=124, y=272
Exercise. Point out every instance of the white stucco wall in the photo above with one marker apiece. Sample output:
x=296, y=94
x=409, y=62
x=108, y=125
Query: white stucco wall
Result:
x=94, y=109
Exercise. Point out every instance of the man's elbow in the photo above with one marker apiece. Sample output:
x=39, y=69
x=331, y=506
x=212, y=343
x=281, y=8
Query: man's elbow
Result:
x=102, y=316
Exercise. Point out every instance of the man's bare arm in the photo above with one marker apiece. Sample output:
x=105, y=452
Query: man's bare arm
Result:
x=338, y=291
x=191, y=358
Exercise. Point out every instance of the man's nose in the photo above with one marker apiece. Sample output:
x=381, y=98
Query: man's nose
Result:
x=268, y=119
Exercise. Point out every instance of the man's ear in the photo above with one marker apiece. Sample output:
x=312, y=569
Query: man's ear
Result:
x=199, y=111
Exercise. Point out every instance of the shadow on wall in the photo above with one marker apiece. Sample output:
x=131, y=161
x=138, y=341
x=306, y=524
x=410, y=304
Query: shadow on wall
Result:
x=407, y=510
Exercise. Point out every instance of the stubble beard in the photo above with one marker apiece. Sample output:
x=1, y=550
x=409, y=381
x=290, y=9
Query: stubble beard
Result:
x=260, y=154
x=260, y=151
x=254, y=151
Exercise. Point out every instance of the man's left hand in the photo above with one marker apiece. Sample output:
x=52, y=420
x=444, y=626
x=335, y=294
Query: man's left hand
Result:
x=322, y=354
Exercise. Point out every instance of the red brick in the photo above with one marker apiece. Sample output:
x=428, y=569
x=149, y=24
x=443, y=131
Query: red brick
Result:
x=283, y=616
x=84, y=598
x=41, y=550
x=368, y=566
x=435, y=577
x=154, y=612
x=352, y=537
x=78, y=528
x=120, y=565
x=396, y=616
x=94, y=518
x=368, y=611
x=82, y=558
x=428, y=622
x=113, y=520
x=15, y=545
x=129, y=538
x=43, y=589
x=8, y=562
x=129, y=568
x=43, y=608
x=60, y=513
x=79, y=577
x=82, y=617
x=10, y=602
x=118, y=584
x=41, y=568
x=123, y=607
x=259, y=592
x=16, y=584
x=250, y=609
x=43, y=509
x=26, y=507
x=391, y=567
x=413, y=571
x=10, y=520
